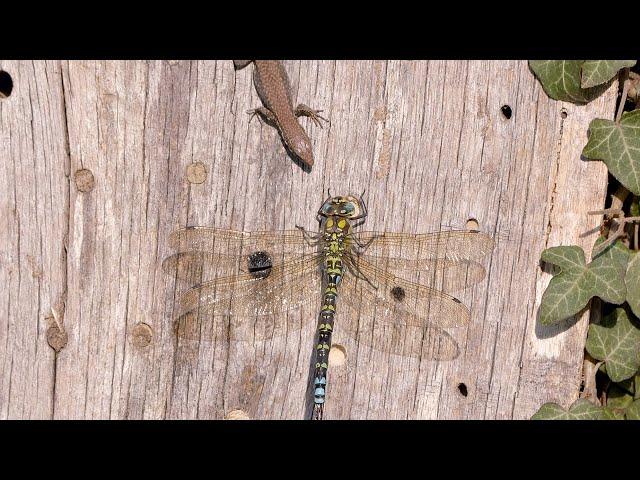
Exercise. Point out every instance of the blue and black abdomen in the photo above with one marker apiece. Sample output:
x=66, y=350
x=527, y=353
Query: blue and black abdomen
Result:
x=334, y=234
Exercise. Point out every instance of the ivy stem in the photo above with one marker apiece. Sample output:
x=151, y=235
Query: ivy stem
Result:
x=634, y=89
x=615, y=210
x=590, y=365
x=624, y=77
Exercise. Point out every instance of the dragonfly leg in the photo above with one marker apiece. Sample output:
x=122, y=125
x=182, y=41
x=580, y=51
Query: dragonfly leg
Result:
x=363, y=246
x=362, y=217
x=310, y=238
x=353, y=268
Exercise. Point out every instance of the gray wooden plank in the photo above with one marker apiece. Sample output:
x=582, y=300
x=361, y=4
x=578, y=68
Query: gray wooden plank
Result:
x=33, y=225
x=426, y=140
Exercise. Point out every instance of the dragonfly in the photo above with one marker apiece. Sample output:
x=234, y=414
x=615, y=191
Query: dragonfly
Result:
x=259, y=277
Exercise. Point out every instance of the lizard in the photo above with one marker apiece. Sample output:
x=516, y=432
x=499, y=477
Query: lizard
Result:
x=272, y=84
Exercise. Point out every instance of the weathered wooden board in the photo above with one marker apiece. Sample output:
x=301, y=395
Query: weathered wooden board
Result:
x=100, y=163
x=34, y=207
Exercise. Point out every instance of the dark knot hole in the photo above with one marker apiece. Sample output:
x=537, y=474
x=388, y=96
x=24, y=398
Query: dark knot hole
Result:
x=462, y=388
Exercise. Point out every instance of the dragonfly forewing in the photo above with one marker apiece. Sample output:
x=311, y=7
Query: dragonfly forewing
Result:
x=206, y=252
x=285, y=287
x=454, y=245
x=442, y=274
x=229, y=242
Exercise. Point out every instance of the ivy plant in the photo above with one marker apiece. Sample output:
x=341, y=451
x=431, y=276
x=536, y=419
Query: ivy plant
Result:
x=613, y=273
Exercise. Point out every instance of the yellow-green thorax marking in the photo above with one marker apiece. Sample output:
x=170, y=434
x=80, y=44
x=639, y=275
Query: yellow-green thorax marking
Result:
x=335, y=217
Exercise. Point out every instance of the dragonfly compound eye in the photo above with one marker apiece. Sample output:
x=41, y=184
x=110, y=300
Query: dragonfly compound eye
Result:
x=260, y=264
x=398, y=293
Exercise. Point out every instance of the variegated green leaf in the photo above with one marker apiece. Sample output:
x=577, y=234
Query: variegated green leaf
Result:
x=550, y=411
x=634, y=208
x=616, y=255
x=560, y=80
x=616, y=341
x=629, y=385
x=632, y=282
x=633, y=411
x=618, y=398
x=582, y=409
x=612, y=414
x=596, y=72
x=617, y=145
x=570, y=290
x=617, y=252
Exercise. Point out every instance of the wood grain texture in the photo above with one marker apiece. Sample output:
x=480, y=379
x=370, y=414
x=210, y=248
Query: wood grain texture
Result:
x=428, y=142
x=34, y=197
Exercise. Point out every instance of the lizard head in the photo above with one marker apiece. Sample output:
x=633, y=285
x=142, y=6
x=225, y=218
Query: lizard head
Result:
x=301, y=147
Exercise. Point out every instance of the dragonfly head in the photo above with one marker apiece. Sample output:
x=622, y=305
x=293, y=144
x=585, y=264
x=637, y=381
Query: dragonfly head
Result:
x=341, y=206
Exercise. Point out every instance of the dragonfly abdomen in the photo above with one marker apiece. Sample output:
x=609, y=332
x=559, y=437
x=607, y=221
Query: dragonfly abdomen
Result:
x=333, y=270
x=325, y=329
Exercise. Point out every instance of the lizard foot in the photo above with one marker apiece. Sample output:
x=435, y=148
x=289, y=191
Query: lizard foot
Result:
x=306, y=111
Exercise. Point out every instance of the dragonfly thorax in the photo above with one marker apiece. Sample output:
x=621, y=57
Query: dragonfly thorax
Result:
x=334, y=231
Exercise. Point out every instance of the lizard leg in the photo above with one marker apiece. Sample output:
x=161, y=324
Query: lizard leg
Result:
x=264, y=114
x=306, y=111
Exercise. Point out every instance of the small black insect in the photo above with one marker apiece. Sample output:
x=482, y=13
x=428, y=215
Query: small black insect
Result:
x=506, y=111
x=398, y=293
x=260, y=264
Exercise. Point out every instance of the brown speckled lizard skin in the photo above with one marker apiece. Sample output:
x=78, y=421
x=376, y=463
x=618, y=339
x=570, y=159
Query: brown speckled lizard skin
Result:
x=272, y=84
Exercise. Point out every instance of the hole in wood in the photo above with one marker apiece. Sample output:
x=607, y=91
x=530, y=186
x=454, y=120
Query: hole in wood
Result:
x=564, y=113
x=472, y=224
x=462, y=388
x=506, y=111
x=337, y=355
x=6, y=84
x=237, y=415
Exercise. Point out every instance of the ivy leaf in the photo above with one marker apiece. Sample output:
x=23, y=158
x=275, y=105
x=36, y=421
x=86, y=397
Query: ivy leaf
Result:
x=596, y=72
x=612, y=414
x=618, y=252
x=634, y=209
x=629, y=385
x=618, y=399
x=550, y=411
x=616, y=341
x=629, y=261
x=633, y=411
x=582, y=409
x=560, y=80
x=570, y=290
x=632, y=282
x=618, y=146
